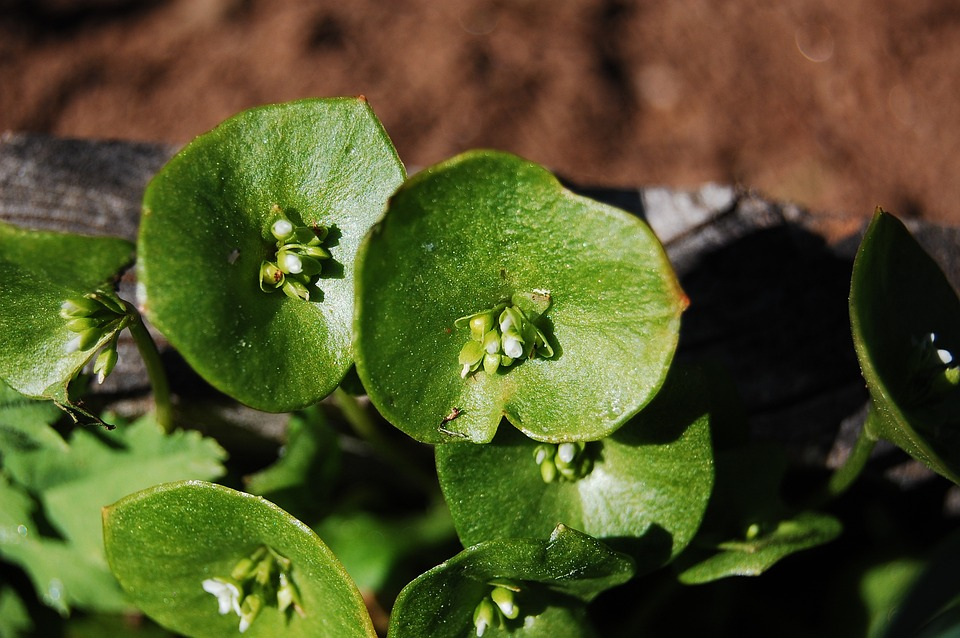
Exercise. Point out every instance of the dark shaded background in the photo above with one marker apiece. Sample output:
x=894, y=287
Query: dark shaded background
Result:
x=839, y=106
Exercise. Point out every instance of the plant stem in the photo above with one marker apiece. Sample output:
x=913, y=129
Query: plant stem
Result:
x=844, y=476
x=155, y=372
x=359, y=419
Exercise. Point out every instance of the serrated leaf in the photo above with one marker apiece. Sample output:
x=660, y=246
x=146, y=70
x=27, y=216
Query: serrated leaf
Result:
x=25, y=423
x=205, y=231
x=62, y=576
x=99, y=468
x=162, y=544
x=40, y=270
x=14, y=617
x=646, y=494
x=554, y=577
x=900, y=301
x=487, y=228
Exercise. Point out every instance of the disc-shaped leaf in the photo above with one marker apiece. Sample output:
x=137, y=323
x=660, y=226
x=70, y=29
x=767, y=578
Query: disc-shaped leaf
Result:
x=164, y=542
x=486, y=228
x=205, y=234
x=645, y=494
x=905, y=317
x=40, y=270
x=552, y=579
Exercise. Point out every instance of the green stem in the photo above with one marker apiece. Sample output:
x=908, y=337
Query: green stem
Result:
x=844, y=476
x=155, y=372
x=359, y=419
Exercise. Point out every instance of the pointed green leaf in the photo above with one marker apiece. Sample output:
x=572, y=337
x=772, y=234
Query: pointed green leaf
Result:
x=748, y=528
x=899, y=297
x=646, y=494
x=206, y=232
x=553, y=578
x=40, y=270
x=477, y=231
x=162, y=543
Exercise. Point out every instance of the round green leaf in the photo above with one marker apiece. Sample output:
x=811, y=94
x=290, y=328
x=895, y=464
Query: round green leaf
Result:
x=205, y=233
x=163, y=542
x=554, y=577
x=40, y=270
x=646, y=494
x=485, y=228
x=899, y=297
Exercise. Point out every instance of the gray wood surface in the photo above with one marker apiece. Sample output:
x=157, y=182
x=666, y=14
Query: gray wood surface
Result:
x=768, y=291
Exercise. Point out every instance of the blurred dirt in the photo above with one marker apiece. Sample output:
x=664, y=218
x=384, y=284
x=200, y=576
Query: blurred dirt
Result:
x=836, y=106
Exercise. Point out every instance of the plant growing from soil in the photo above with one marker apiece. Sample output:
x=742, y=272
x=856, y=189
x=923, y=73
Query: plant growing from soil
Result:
x=478, y=369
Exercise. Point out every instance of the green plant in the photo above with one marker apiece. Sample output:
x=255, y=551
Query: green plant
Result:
x=521, y=335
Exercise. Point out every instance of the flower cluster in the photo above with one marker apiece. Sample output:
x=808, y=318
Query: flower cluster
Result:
x=263, y=578
x=296, y=263
x=563, y=462
x=934, y=370
x=497, y=607
x=499, y=337
x=93, y=318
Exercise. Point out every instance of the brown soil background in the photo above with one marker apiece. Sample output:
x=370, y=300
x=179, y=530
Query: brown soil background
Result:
x=838, y=106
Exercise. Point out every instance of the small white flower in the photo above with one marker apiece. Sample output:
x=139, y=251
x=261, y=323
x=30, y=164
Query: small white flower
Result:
x=281, y=228
x=512, y=346
x=292, y=264
x=566, y=452
x=227, y=593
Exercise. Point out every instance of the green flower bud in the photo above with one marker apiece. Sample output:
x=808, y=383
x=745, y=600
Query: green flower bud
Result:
x=271, y=277
x=503, y=599
x=295, y=289
x=491, y=363
x=480, y=325
x=483, y=616
x=249, y=610
x=83, y=324
x=471, y=353
x=106, y=361
x=82, y=307
x=314, y=252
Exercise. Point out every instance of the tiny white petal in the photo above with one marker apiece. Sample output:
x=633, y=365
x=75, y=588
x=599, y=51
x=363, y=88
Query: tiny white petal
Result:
x=292, y=264
x=507, y=607
x=465, y=371
x=73, y=345
x=566, y=452
x=244, y=624
x=506, y=323
x=481, y=627
x=228, y=596
x=945, y=356
x=493, y=346
x=282, y=228
x=512, y=347
x=541, y=456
